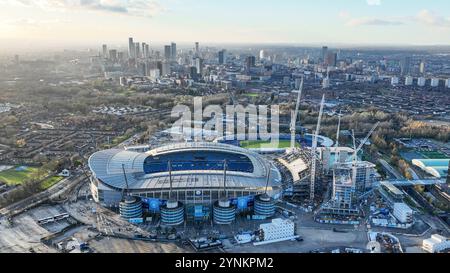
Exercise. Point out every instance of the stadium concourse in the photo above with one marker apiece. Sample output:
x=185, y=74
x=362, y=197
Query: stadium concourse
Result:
x=190, y=173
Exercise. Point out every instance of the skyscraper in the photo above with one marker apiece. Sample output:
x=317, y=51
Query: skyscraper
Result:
x=147, y=50
x=197, y=48
x=222, y=57
x=324, y=53
x=137, y=48
x=331, y=59
x=262, y=55
x=113, y=55
x=250, y=61
x=405, y=66
x=173, y=51
x=105, y=51
x=422, y=67
x=199, y=65
x=131, y=50
x=167, y=52
x=144, y=50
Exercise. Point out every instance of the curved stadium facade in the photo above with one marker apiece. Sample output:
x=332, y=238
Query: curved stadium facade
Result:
x=197, y=171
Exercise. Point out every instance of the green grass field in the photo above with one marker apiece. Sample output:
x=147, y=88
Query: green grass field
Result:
x=47, y=183
x=12, y=177
x=434, y=155
x=283, y=144
x=252, y=95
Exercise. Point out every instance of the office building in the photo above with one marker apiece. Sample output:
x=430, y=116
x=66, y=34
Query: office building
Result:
x=222, y=56
x=131, y=49
x=250, y=61
x=262, y=55
x=197, y=48
x=166, y=68
x=447, y=83
x=113, y=55
x=137, y=47
x=331, y=59
x=324, y=54
x=193, y=72
x=167, y=52
x=422, y=67
x=403, y=213
x=105, y=51
x=199, y=65
x=405, y=66
x=173, y=53
x=147, y=51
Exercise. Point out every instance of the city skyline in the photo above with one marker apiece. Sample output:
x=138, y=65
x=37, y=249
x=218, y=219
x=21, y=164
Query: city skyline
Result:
x=364, y=22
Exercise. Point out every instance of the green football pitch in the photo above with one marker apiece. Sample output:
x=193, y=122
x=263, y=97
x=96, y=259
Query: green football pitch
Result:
x=258, y=144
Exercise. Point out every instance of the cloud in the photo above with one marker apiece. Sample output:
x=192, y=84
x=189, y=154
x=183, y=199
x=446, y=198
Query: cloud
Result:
x=366, y=21
x=373, y=2
x=144, y=8
x=431, y=18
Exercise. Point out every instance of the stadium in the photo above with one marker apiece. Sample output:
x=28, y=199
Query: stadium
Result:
x=188, y=174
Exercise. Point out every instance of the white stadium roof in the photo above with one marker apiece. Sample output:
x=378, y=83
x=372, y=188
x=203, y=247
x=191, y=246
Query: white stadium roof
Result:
x=107, y=167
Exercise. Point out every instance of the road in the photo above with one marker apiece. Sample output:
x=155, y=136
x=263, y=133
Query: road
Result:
x=391, y=169
x=59, y=189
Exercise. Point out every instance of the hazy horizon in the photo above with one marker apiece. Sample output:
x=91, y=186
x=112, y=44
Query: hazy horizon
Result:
x=61, y=24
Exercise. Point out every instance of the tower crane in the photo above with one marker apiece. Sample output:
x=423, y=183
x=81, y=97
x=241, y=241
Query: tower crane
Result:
x=338, y=133
x=356, y=150
x=294, y=116
x=314, y=150
x=338, y=129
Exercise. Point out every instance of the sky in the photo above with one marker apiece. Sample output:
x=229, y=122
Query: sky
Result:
x=87, y=22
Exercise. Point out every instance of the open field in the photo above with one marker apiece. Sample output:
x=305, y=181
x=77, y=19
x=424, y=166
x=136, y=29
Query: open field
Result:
x=16, y=177
x=258, y=144
x=47, y=183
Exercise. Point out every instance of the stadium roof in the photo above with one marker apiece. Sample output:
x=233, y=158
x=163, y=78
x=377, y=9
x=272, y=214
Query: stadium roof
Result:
x=107, y=167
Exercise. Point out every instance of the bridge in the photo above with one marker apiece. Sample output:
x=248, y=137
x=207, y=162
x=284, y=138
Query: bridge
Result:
x=412, y=183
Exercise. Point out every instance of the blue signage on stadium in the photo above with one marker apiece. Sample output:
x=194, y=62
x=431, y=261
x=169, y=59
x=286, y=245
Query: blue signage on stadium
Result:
x=154, y=204
x=198, y=212
x=243, y=203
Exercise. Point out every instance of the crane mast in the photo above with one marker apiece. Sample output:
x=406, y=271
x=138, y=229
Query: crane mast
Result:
x=313, y=151
x=294, y=115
